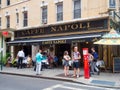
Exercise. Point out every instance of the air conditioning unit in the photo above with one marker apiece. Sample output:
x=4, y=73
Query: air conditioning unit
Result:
x=111, y=13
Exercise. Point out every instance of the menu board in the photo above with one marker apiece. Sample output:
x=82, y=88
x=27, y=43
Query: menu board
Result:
x=116, y=64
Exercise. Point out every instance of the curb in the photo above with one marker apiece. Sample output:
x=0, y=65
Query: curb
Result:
x=60, y=79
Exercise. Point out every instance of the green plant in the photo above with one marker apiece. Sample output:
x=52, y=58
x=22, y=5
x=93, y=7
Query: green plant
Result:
x=4, y=58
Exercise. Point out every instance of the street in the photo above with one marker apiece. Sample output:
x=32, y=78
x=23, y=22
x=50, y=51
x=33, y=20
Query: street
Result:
x=11, y=82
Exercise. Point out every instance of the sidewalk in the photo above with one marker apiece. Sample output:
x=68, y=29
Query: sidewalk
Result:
x=105, y=79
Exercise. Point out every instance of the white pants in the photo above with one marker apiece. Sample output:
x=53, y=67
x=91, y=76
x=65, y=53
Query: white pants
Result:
x=38, y=67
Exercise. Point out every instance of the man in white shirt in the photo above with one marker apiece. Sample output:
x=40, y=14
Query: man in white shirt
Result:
x=20, y=56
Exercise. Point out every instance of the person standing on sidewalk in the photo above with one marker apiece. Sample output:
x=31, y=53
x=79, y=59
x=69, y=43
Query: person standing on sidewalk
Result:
x=90, y=59
x=93, y=66
x=38, y=62
x=66, y=58
x=76, y=65
x=20, y=56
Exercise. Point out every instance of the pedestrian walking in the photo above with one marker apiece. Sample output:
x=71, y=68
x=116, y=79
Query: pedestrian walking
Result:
x=76, y=64
x=94, y=66
x=38, y=62
x=20, y=56
x=66, y=58
x=90, y=59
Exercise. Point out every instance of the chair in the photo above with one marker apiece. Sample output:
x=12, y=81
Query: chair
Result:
x=101, y=65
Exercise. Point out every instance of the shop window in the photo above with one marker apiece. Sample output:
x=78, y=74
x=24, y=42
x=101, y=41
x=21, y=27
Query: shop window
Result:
x=25, y=19
x=7, y=21
x=44, y=15
x=60, y=12
x=112, y=4
x=8, y=2
x=77, y=8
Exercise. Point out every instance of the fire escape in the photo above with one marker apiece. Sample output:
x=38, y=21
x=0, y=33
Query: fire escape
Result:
x=115, y=20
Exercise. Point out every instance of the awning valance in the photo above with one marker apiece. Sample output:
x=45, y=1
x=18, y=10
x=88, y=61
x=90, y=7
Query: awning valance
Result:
x=55, y=40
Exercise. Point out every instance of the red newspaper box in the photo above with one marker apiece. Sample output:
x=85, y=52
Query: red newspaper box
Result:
x=86, y=63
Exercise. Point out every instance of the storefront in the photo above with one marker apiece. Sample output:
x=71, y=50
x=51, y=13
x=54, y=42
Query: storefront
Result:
x=61, y=37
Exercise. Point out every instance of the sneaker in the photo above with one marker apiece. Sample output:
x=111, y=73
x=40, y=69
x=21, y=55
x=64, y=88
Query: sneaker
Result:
x=78, y=76
x=73, y=75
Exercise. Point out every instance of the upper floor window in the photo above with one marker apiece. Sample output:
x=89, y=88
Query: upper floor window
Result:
x=77, y=8
x=8, y=2
x=44, y=15
x=0, y=21
x=7, y=21
x=112, y=3
x=17, y=18
x=25, y=19
x=59, y=11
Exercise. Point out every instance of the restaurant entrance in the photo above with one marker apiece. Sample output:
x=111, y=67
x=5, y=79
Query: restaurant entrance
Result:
x=59, y=51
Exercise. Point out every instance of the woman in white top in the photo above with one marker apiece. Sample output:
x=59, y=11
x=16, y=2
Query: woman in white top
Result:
x=66, y=58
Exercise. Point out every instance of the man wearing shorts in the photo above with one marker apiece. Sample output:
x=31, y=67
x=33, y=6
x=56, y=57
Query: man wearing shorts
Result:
x=76, y=57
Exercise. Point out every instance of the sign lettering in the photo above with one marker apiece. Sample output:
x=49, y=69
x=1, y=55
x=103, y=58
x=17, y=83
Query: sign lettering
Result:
x=82, y=26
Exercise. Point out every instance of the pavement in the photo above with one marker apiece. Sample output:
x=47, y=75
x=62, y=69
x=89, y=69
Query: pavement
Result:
x=105, y=79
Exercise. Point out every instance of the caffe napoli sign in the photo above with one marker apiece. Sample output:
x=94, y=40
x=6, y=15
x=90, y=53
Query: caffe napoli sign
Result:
x=83, y=26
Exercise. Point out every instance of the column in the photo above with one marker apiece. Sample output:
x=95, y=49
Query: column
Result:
x=35, y=49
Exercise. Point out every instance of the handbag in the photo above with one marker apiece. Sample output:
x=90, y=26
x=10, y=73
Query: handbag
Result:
x=63, y=61
x=70, y=62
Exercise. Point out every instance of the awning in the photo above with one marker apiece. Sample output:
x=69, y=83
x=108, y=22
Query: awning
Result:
x=111, y=38
x=56, y=40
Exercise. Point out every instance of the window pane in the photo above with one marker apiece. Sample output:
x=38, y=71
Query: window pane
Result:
x=112, y=3
x=77, y=10
x=0, y=22
x=25, y=19
x=8, y=2
x=77, y=13
x=8, y=21
x=59, y=8
x=17, y=18
x=44, y=15
x=77, y=4
x=59, y=16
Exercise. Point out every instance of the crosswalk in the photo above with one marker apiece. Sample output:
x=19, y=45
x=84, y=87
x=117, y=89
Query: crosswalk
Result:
x=74, y=86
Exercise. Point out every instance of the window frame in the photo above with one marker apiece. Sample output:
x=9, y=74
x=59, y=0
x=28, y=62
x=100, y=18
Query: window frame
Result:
x=17, y=18
x=0, y=21
x=44, y=15
x=59, y=13
x=8, y=2
x=8, y=21
x=25, y=19
x=76, y=9
x=112, y=5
